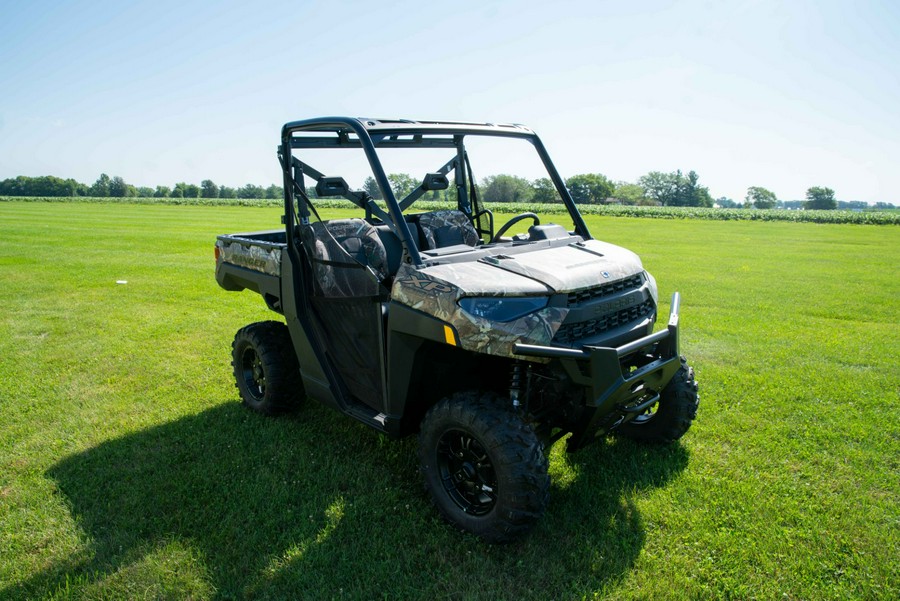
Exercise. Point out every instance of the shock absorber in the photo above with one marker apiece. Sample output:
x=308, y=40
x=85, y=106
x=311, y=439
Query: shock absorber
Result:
x=515, y=384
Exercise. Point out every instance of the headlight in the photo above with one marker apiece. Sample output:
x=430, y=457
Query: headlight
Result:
x=654, y=293
x=502, y=308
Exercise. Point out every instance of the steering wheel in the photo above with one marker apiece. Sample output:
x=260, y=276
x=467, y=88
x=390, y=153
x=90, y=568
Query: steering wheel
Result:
x=512, y=222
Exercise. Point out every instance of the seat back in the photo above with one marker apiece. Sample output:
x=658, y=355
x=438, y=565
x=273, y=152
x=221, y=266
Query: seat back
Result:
x=348, y=257
x=392, y=247
x=447, y=228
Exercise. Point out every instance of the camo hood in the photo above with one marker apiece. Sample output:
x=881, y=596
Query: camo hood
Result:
x=573, y=267
x=437, y=289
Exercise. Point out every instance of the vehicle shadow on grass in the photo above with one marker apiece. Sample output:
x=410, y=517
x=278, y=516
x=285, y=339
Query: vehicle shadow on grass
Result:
x=229, y=504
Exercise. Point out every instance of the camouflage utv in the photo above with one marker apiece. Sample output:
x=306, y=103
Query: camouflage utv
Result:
x=414, y=314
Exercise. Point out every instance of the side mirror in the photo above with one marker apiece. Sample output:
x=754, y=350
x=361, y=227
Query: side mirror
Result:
x=332, y=186
x=435, y=181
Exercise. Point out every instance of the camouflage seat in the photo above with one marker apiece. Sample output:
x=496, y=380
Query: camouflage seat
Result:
x=348, y=257
x=447, y=228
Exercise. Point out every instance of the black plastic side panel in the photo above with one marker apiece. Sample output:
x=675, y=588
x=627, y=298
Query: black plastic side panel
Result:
x=314, y=378
x=233, y=278
x=321, y=380
x=409, y=321
x=408, y=330
x=350, y=331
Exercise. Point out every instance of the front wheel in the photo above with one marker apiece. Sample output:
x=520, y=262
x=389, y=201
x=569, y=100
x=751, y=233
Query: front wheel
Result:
x=483, y=466
x=265, y=367
x=670, y=418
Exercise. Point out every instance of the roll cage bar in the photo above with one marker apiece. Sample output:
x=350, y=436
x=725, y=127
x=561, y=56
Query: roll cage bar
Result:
x=371, y=134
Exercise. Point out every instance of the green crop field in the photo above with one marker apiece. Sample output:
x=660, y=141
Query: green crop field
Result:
x=128, y=469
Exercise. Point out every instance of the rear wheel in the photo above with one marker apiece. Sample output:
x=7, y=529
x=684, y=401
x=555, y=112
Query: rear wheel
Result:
x=265, y=368
x=671, y=417
x=483, y=466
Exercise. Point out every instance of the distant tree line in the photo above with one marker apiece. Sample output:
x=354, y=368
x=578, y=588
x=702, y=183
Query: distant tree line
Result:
x=116, y=187
x=674, y=189
x=656, y=188
x=817, y=197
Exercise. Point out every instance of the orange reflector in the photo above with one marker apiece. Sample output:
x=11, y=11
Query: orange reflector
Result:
x=448, y=335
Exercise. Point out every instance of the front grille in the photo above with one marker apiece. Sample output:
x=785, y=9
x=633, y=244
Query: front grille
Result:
x=569, y=333
x=583, y=296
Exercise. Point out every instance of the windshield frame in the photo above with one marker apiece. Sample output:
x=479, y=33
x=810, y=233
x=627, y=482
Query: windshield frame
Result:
x=373, y=134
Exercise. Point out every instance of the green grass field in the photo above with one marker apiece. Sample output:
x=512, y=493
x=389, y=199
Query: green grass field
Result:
x=129, y=470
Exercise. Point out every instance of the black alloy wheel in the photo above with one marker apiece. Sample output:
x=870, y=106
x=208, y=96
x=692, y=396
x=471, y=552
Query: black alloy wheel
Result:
x=467, y=472
x=483, y=466
x=265, y=367
x=253, y=374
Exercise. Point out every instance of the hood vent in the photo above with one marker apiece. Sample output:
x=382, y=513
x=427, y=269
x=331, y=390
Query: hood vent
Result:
x=583, y=296
x=569, y=333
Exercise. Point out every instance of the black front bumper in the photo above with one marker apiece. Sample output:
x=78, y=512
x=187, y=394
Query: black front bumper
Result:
x=614, y=392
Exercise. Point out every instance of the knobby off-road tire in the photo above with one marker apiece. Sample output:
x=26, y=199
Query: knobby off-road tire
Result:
x=483, y=466
x=670, y=418
x=265, y=368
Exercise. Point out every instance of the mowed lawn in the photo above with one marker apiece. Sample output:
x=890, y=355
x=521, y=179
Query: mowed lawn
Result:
x=129, y=470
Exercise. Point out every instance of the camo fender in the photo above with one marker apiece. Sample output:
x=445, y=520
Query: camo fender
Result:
x=438, y=297
x=251, y=256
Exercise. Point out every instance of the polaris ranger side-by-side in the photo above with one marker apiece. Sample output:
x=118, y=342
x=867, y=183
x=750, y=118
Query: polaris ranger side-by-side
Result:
x=490, y=341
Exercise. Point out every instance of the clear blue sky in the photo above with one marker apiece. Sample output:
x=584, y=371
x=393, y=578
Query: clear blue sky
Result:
x=784, y=95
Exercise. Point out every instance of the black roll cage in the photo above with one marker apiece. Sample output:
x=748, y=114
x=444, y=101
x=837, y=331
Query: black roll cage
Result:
x=370, y=134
